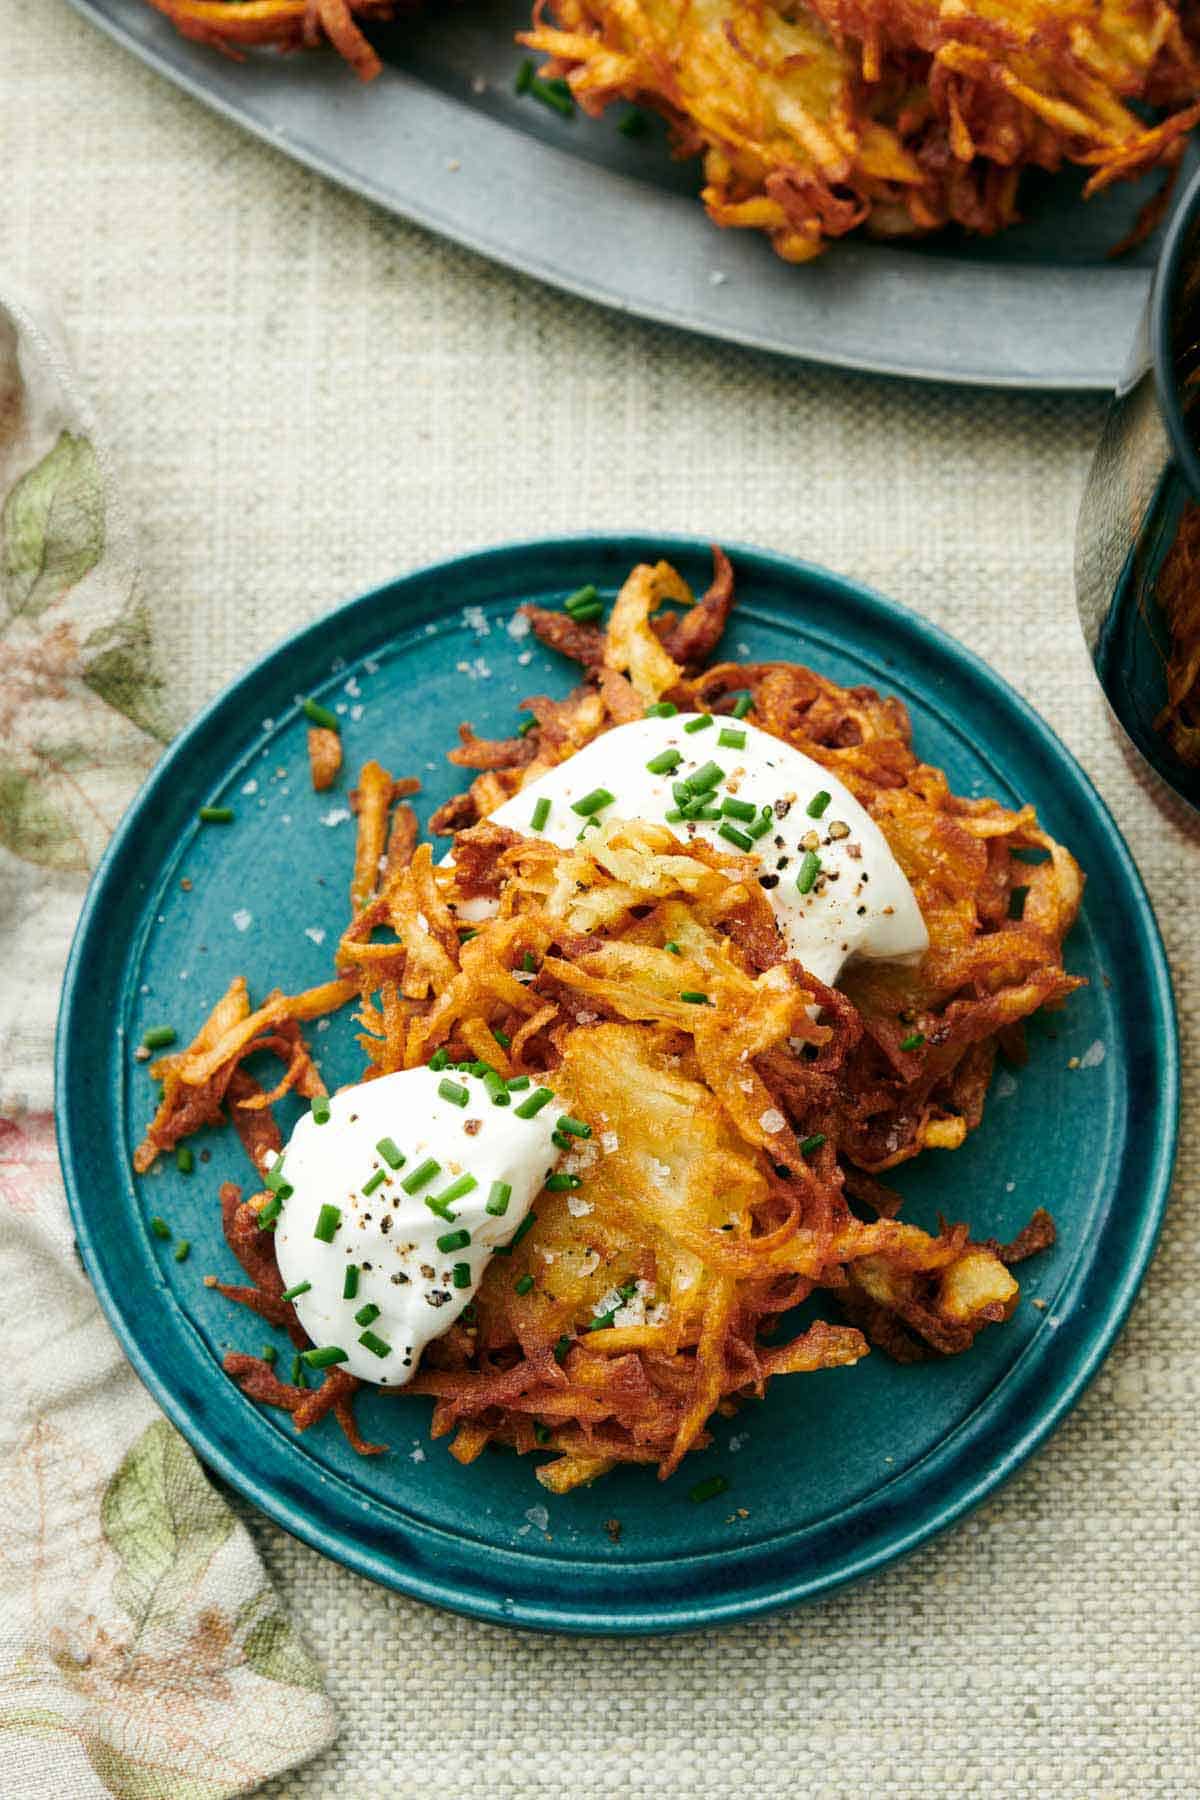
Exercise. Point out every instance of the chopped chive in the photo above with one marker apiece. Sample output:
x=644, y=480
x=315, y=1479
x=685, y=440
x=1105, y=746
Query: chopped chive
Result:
x=708, y=1489
x=468, y=1315
x=159, y=1227
x=439, y=1059
x=541, y=813
x=449, y=1240
x=298, y=1372
x=812, y=1143
x=269, y=1354
x=181, y=1250
x=739, y=809
x=810, y=868
x=350, y=1282
x=498, y=1198
x=454, y=1092
x=706, y=778
x=328, y=1220
x=742, y=705
x=732, y=835
x=562, y=1183
x=574, y=1127
x=497, y=1092
x=673, y=947
x=534, y=1103
x=817, y=804
x=274, y=1179
x=367, y=1315
x=555, y=94
x=320, y=1109
x=913, y=1041
x=695, y=999
x=529, y=963
x=604, y=1322
x=294, y=1293
x=325, y=1357
x=524, y=76
x=541, y=1433
x=681, y=792
x=466, y=1184
x=700, y=724
x=665, y=761
x=215, y=815
x=320, y=715
x=460, y=1275
x=662, y=709
x=561, y=1348
x=560, y=1140
x=374, y=1344
x=373, y=1181
x=502, y=1038
x=158, y=1037
x=592, y=803
x=627, y=1290
x=730, y=739
x=515, y=1083
x=583, y=596
x=527, y=1224
x=674, y=816
x=268, y=1214
x=185, y=1162
x=761, y=825
x=635, y=124
x=391, y=1153
x=525, y=727
x=584, y=615
x=421, y=1175
x=466, y=933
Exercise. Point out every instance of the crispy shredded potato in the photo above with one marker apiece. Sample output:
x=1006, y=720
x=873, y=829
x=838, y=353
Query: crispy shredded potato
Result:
x=906, y=114
x=665, y=1279
x=238, y=25
x=1179, y=598
x=324, y=756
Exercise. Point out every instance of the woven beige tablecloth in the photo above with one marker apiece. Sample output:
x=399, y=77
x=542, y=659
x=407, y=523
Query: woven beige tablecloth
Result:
x=304, y=398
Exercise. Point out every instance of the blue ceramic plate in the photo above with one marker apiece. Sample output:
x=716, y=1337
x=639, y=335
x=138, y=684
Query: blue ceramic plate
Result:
x=834, y=1474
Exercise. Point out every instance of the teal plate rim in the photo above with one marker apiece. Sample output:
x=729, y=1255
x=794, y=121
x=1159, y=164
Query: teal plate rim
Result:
x=502, y=1583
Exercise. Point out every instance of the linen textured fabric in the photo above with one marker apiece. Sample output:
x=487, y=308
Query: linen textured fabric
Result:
x=304, y=398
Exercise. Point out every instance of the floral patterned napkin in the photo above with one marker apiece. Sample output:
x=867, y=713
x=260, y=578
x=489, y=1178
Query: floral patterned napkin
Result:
x=142, y=1650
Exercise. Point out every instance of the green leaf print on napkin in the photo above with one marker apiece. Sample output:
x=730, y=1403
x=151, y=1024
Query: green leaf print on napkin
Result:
x=271, y=1646
x=118, y=665
x=165, y=1524
x=51, y=527
x=31, y=826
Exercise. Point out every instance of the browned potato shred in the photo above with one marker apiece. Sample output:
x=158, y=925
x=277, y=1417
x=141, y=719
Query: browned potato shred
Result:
x=693, y=1181
x=324, y=756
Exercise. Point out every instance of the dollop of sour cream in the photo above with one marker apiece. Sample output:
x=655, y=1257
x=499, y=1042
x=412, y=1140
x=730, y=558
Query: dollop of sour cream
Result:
x=829, y=872
x=399, y=1200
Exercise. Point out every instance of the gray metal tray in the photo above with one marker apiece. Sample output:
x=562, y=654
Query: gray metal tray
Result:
x=442, y=139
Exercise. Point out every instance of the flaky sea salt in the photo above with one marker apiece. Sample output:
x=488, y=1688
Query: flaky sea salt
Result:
x=518, y=626
x=337, y=815
x=315, y=932
x=772, y=1120
x=578, y=1207
x=243, y=919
